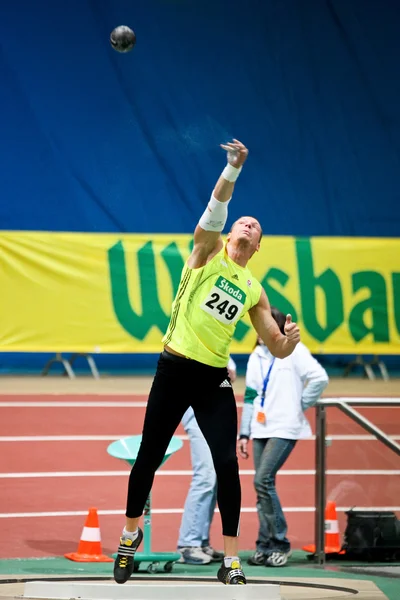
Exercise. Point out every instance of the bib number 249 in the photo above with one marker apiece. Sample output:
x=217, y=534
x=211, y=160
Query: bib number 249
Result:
x=224, y=302
x=223, y=307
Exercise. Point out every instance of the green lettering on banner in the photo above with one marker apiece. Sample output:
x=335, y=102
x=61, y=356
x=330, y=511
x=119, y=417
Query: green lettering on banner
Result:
x=275, y=298
x=329, y=283
x=376, y=303
x=396, y=299
x=136, y=325
x=175, y=264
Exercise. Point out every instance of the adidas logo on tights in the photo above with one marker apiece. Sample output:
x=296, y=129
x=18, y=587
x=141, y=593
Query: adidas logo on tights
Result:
x=225, y=383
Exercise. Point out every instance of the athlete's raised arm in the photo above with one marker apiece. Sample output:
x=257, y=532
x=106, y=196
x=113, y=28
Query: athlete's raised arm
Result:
x=207, y=235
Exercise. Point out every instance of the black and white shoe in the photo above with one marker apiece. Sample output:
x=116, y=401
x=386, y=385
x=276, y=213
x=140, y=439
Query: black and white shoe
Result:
x=123, y=565
x=213, y=554
x=232, y=575
x=257, y=559
x=278, y=558
x=193, y=555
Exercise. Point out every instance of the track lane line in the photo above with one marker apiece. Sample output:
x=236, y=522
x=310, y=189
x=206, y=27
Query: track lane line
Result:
x=189, y=472
x=178, y=511
x=104, y=438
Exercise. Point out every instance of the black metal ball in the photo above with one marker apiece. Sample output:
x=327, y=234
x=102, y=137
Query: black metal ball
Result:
x=122, y=39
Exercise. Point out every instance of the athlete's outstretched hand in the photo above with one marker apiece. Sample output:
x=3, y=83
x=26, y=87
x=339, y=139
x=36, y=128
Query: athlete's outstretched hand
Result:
x=237, y=153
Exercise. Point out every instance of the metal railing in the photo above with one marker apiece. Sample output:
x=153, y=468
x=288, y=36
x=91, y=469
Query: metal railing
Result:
x=67, y=364
x=320, y=454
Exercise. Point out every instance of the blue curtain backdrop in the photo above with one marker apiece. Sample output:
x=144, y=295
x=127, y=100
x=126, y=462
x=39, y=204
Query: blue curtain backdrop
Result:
x=92, y=140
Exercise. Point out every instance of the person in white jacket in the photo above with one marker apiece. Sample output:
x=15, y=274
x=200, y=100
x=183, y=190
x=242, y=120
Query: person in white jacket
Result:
x=278, y=391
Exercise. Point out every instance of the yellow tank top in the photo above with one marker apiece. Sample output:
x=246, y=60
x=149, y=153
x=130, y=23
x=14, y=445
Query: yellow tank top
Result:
x=207, y=307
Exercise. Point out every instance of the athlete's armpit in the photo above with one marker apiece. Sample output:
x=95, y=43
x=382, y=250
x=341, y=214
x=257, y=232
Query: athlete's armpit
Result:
x=205, y=247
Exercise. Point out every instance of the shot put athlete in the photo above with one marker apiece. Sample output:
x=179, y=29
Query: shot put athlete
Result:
x=215, y=291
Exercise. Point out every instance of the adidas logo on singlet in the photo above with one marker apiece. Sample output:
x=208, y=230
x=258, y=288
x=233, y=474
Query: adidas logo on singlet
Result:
x=235, y=277
x=225, y=383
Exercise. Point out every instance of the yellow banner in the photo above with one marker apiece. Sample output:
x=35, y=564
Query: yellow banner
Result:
x=111, y=293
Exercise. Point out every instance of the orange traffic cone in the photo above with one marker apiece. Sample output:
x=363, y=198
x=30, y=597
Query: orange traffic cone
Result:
x=89, y=549
x=332, y=538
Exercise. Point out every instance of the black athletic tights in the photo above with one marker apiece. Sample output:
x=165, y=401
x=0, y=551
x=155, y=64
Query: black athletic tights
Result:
x=178, y=384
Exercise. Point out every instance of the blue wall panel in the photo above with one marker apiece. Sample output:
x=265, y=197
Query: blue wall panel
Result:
x=90, y=137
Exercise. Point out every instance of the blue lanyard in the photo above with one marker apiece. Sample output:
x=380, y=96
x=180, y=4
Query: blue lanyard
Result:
x=266, y=379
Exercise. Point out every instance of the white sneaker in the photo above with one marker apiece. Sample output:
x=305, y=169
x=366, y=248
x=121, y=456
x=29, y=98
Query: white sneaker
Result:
x=193, y=556
x=277, y=558
x=214, y=554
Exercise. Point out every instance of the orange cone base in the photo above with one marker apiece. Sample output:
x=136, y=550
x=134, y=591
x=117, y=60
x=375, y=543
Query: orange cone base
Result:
x=88, y=557
x=328, y=549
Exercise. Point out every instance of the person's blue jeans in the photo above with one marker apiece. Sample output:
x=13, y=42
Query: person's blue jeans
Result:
x=202, y=497
x=269, y=456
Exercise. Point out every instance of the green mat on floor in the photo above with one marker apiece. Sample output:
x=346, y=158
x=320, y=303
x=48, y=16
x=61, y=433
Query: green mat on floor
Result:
x=297, y=567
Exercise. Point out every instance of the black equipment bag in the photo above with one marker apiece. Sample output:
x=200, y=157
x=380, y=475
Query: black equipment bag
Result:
x=372, y=536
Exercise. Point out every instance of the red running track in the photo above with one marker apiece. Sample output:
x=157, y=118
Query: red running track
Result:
x=25, y=535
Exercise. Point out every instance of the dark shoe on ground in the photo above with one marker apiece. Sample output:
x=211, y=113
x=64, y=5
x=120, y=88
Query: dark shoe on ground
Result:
x=232, y=575
x=123, y=565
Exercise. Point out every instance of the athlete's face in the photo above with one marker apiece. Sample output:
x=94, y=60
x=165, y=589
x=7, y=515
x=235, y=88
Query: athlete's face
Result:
x=246, y=228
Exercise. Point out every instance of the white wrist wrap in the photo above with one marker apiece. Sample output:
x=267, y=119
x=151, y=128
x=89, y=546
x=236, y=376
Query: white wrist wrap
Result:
x=215, y=215
x=231, y=173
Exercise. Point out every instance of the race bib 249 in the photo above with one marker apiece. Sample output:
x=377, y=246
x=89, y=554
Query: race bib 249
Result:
x=225, y=301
